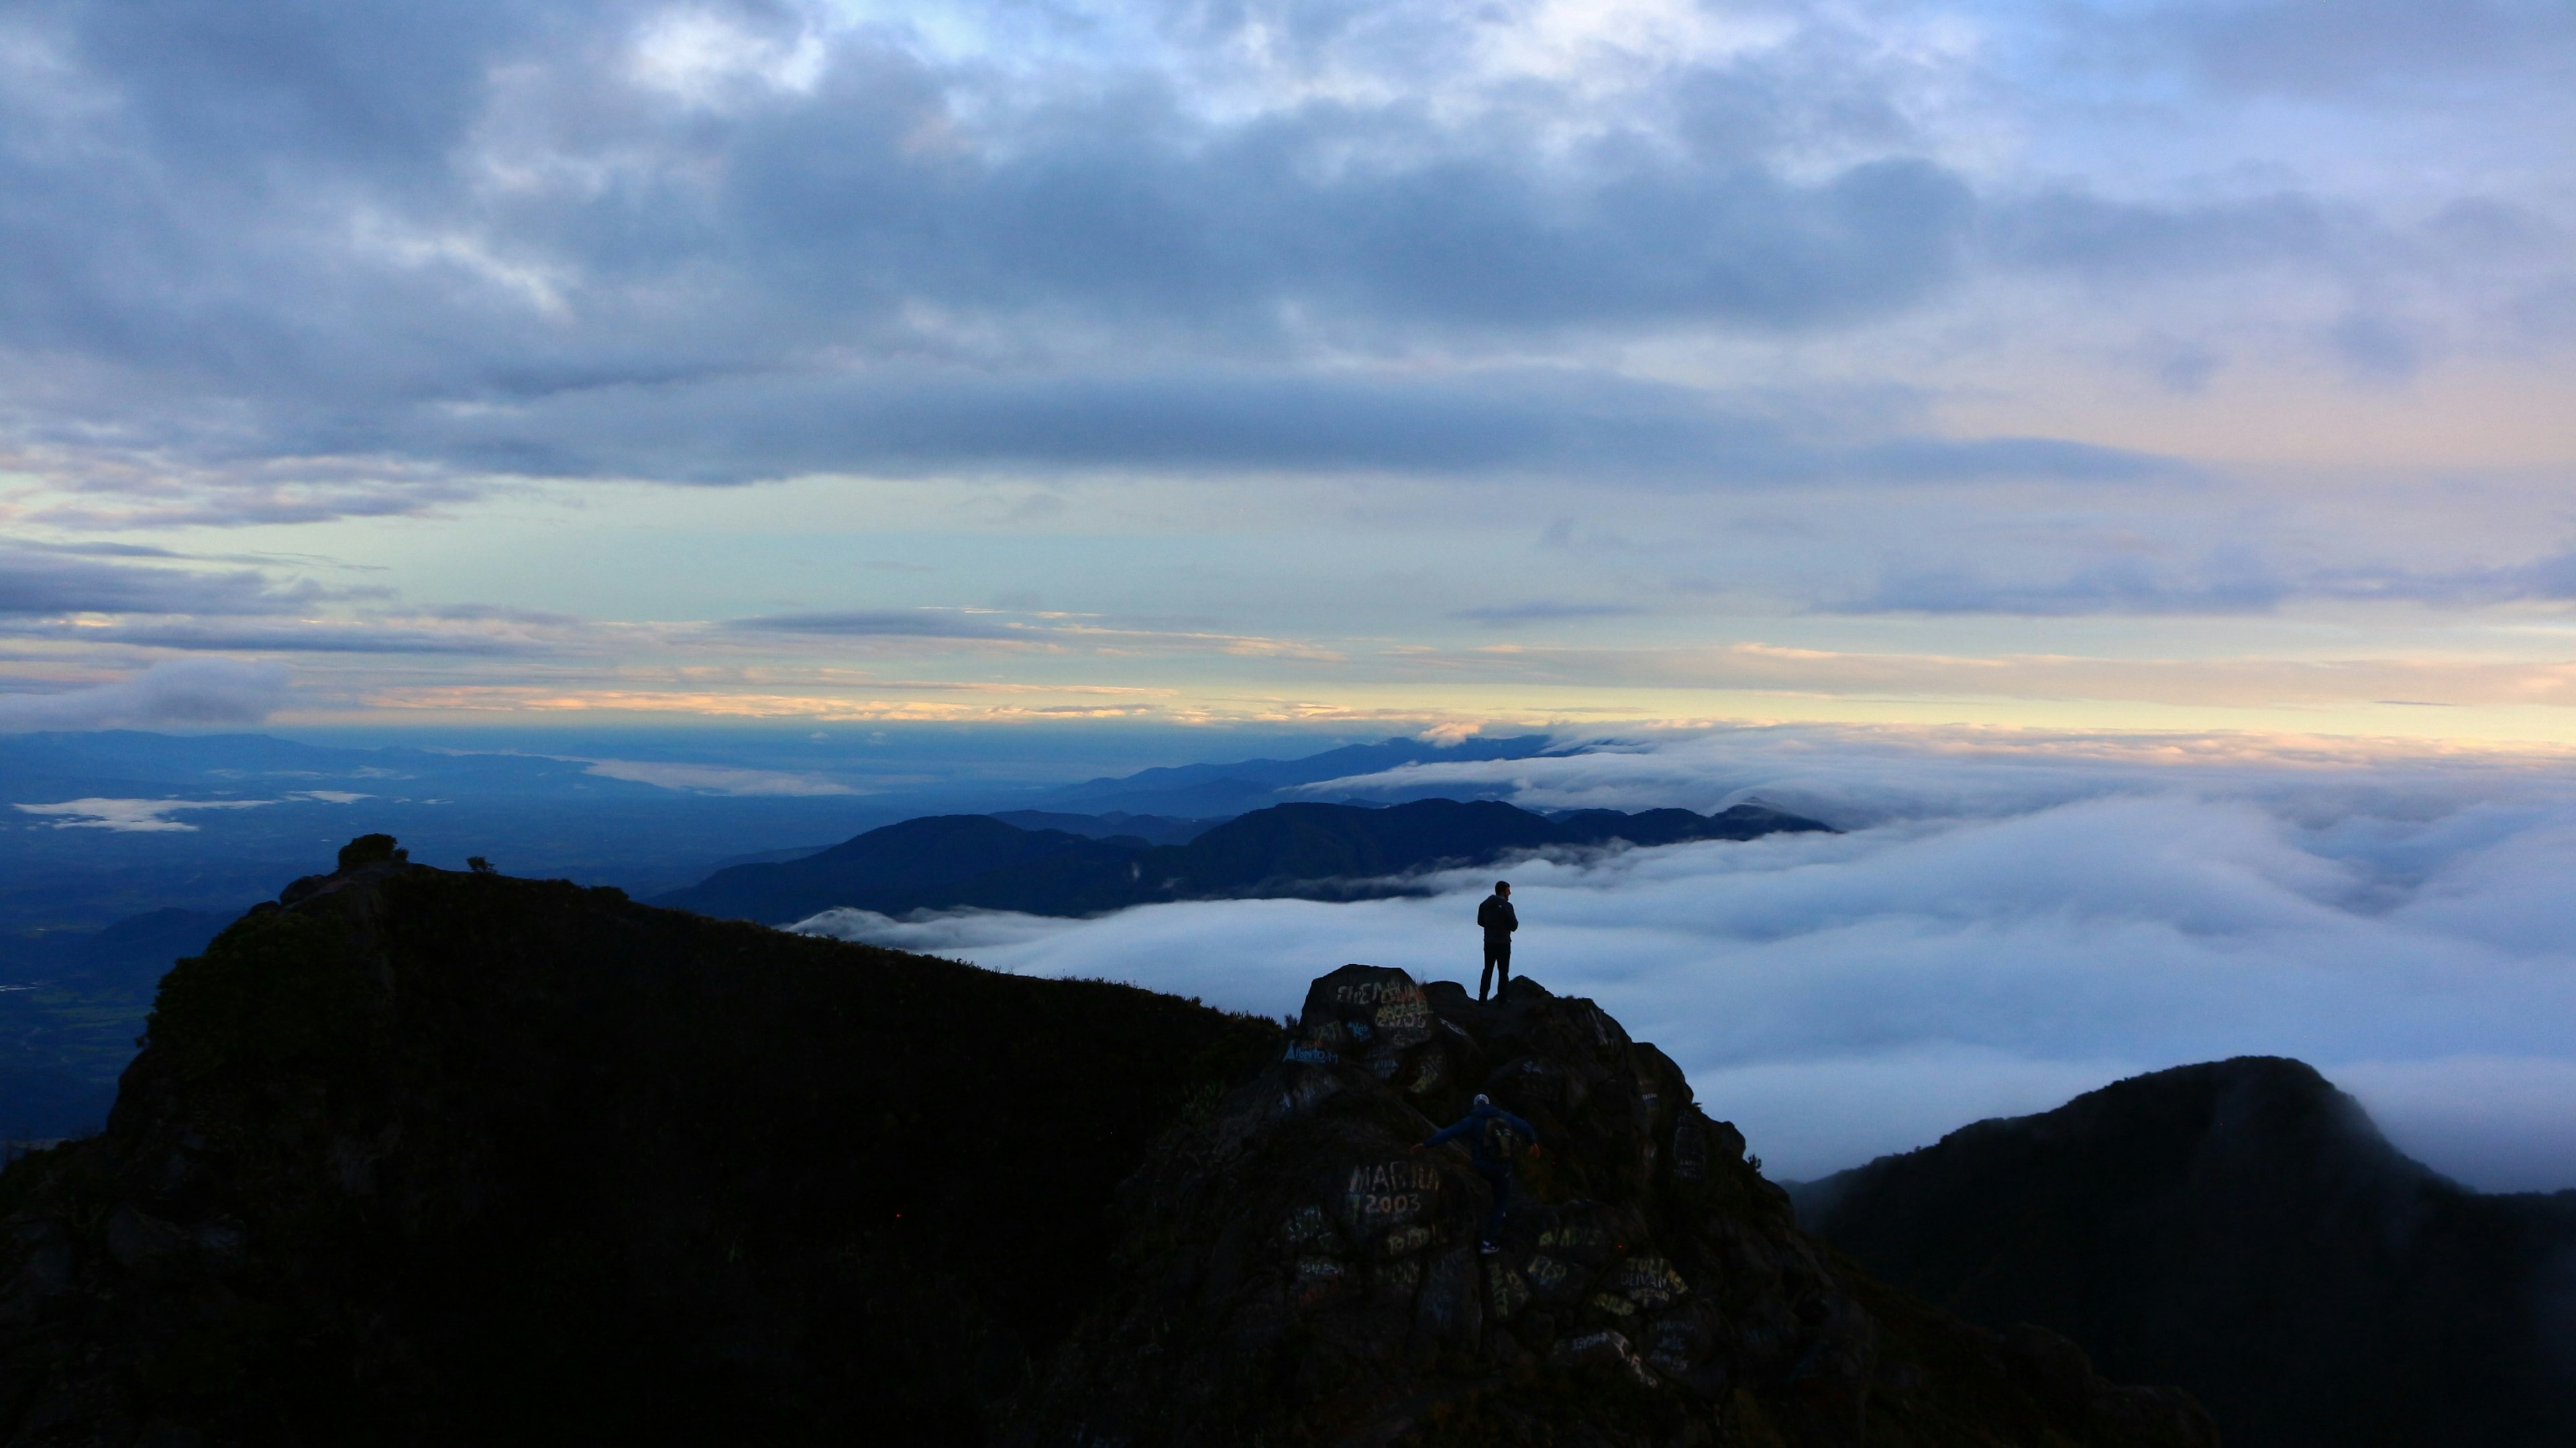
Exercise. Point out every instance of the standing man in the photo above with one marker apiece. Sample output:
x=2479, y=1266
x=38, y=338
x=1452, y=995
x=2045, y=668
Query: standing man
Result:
x=1499, y=922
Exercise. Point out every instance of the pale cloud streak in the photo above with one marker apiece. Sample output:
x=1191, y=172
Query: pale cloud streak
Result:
x=183, y=692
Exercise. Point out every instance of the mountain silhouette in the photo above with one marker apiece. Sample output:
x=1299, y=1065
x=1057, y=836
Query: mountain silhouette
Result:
x=1307, y=851
x=2242, y=1229
x=1238, y=786
x=1152, y=829
x=441, y=1158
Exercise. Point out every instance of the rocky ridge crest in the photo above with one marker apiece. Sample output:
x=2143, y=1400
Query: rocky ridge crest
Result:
x=1297, y=1273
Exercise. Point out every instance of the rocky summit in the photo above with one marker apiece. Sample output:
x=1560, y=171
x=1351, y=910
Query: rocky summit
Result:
x=1297, y=1271
x=424, y=1158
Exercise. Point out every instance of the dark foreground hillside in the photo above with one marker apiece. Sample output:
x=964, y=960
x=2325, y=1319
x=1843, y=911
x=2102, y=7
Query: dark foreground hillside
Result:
x=427, y=1158
x=2242, y=1229
x=443, y=1158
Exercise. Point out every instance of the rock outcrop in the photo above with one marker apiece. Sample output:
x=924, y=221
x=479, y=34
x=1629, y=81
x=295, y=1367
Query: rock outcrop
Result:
x=2241, y=1228
x=1296, y=1272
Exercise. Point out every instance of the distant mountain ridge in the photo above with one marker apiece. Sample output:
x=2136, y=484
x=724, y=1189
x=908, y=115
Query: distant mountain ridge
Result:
x=2241, y=1228
x=1152, y=829
x=1243, y=785
x=648, y=824
x=1305, y=851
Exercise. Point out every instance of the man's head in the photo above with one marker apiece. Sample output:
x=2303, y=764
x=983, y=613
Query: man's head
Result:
x=1503, y=888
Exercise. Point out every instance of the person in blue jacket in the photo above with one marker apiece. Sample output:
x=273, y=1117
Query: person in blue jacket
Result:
x=1489, y=1130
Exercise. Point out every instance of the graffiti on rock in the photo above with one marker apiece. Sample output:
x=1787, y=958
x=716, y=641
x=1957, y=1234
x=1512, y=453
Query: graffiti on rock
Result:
x=1318, y=1280
x=1690, y=1153
x=1647, y=1281
x=1390, y=1192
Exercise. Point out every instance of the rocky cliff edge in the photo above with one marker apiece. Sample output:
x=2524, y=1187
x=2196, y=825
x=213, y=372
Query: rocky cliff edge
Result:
x=1297, y=1272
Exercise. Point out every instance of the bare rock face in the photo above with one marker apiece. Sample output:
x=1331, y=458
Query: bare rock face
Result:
x=1298, y=1271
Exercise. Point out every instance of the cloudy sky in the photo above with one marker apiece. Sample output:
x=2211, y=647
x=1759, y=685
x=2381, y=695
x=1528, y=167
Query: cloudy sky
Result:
x=2058, y=363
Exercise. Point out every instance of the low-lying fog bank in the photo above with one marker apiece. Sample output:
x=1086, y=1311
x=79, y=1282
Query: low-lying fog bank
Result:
x=2002, y=929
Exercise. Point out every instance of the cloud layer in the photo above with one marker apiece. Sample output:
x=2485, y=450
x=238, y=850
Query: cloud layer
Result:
x=2000, y=931
x=183, y=692
x=266, y=264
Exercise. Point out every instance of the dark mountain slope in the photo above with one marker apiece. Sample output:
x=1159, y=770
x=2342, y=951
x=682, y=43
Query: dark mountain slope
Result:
x=934, y=862
x=439, y=1158
x=2242, y=1229
x=1250, y=784
x=1675, y=826
x=1152, y=829
x=1309, y=851
x=1290, y=845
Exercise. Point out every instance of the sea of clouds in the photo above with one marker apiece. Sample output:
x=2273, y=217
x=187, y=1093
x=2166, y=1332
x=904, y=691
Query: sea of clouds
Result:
x=2007, y=921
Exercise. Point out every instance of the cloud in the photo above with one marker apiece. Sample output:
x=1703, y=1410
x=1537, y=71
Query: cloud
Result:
x=2008, y=922
x=503, y=244
x=58, y=591
x=2234, y=580
x=2270, y=682
x=1542, y=611
x=883, y=623
x=2381, y=49
x=131, y=816
x=930, y=932
x=1458, y=421
x=2228, y=584
x=152, y=816
x=319, y=637
x=46, y=583
x=172, y=692
x=717, y=778
x=2127, y=242
x=385, y=262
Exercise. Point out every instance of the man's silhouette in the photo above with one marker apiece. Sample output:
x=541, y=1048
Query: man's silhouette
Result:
x=1491, y=1134
x=1499, y=922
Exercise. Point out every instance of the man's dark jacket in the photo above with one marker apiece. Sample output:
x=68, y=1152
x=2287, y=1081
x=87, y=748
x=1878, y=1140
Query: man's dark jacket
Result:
x=1487, y=1145
x=1497, y=918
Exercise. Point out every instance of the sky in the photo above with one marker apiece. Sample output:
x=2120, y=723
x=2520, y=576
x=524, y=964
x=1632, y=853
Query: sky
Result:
x=2193, y=365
